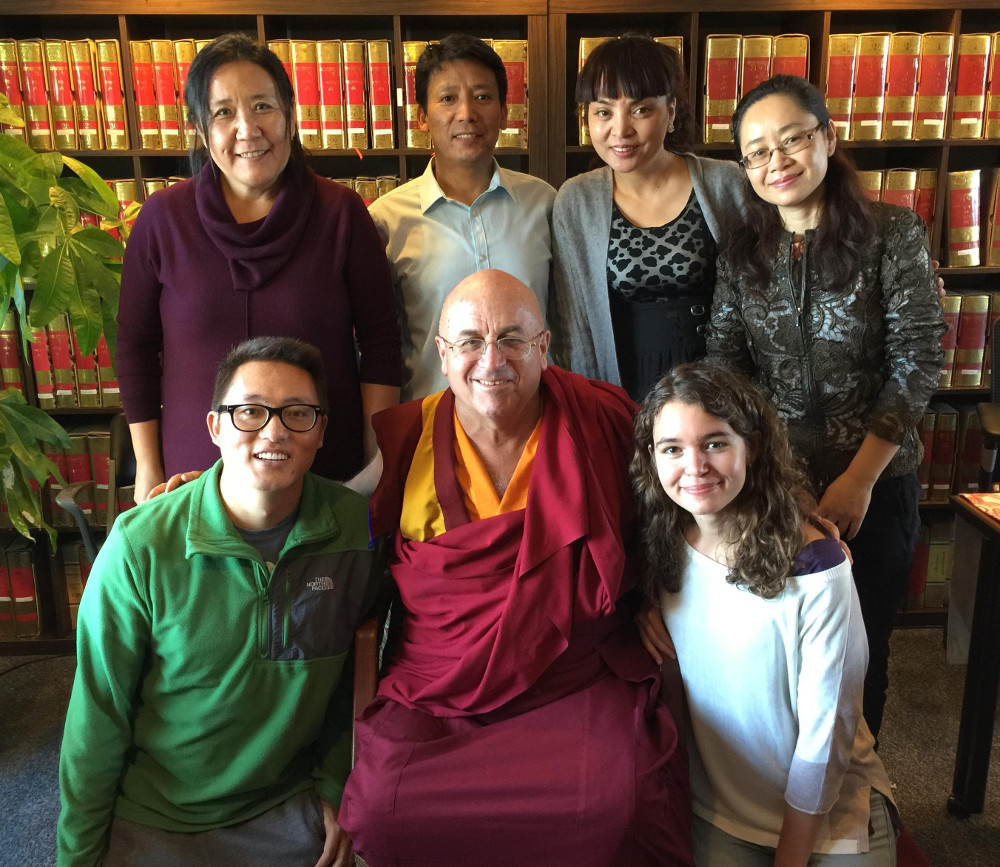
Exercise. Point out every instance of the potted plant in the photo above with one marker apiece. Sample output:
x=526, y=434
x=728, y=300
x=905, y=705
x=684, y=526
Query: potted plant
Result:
x=64, y=266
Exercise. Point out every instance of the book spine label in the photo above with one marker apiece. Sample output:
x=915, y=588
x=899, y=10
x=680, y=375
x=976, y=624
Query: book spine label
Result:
x=109, y=71
x=36, y=100
x=722, y=85
x=165, y=90
x=901, y=86
x=514, y=54
x=869, y=86
x=970, y=85
x=952, y=305
x=901, y=188
x=88, y=108
x=383, y=133
x=791, y=55
x=144, y=92
x=755, y=62
x=42, y=367
x=331, y=93
x=843, y=49
x=61, y=103
x=184, y=52
x=354, y=93
x=415, y=136
x=963, y=218
x=971, y=344
x=10, y=85
x=307, y=97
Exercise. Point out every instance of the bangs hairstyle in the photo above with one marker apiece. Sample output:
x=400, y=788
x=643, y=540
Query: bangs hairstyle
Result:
x=639, y=67
x=457, y=46
x=235, y=48
x=286, y=350
x=765, y=518
x=845, y=236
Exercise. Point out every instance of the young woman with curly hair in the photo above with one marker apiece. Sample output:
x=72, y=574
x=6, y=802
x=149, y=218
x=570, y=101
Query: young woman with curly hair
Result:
x=764, y=617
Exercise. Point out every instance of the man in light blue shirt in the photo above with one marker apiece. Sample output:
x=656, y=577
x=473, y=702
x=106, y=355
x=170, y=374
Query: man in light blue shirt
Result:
x=464, y=213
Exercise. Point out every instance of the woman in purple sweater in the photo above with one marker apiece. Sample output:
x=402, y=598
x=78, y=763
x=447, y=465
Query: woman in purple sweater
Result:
x=254, y=244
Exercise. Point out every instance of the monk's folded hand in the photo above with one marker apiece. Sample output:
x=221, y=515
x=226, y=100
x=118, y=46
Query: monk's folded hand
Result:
x=654, y=635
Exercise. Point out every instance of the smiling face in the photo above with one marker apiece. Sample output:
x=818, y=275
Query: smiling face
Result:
x=628, y=134
x=792, y=182
x=700, y=460
x=493, y=390
x=248, y=135
x=464, y=114
x=273, y=460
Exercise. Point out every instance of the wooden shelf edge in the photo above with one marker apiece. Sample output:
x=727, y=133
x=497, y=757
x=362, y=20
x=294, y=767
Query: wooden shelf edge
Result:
x=921, y=617
x=41, y=645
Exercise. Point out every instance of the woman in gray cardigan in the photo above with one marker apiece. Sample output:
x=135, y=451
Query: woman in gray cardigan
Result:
x=634, y=243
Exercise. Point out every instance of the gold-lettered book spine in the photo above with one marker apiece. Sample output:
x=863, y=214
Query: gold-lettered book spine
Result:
x=790, y=55
x=871, y=183
x=842, y=51
x=305, y=79
x=184, y=53
x=963, y=218
x=10, y=72
x=992, y=129
x=355, y=115
x=899, y=187
x=901, y=86
x=83, y=62
x=869, y=86
x=514, y=54
x=934, y=75
x=380, y=94
x=60, y=87
x=675, y=42
x=109, y=67
x=165, y=88
x=331, y=92
x=969, y=104
x=755, y=62
x=144, y=91
x=587, y=45
x=415, y=136
x=722, y=71
x=36, y=100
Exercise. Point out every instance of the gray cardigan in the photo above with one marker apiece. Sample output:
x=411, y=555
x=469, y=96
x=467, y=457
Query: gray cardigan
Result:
x=579, y=311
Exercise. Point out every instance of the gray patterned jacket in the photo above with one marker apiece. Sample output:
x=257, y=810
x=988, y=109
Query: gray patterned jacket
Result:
x=838, y=365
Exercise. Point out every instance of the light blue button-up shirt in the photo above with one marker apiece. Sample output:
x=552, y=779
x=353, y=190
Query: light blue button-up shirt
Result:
x=433, y=242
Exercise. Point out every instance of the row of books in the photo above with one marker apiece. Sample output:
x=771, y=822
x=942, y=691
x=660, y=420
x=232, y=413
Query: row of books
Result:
x=18, y=590
x=587, y=45
x=933, y=563
x=952, y=438
x=915, y=189
x=897, y=86
x=64, y=376
x=735, y=64
x=69, y=92
x=968, y=344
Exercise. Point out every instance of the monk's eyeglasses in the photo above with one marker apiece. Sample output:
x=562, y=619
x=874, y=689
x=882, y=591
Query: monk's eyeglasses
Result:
x=511, y=348
x=250, y=417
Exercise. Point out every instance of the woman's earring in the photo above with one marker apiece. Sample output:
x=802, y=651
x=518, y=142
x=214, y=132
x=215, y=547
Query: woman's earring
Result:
x=670, y=128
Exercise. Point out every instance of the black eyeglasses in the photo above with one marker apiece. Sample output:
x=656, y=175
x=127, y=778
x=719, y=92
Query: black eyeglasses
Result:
x=511, y=348
x=250, y=417
x=761, y=157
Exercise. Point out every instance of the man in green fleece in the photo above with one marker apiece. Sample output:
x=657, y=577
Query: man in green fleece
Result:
x=209, y=722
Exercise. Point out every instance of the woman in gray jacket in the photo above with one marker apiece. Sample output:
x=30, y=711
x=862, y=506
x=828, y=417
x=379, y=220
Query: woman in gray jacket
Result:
x=634, y=242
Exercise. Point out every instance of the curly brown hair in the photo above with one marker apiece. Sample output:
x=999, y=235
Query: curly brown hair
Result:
x=765, y=517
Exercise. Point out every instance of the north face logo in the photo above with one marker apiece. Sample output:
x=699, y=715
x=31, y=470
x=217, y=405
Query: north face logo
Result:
x=322, y=583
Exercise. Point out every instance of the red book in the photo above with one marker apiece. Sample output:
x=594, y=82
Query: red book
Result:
x=755, y=62
x=63, y=381
x=943, y=457
x=970, y=347
x=380, y=95
x=926, y=195
x=85, y=90
x=184, y=53
x=514, y=54
x=109, y=74
x=843, y=49
x=415, y=136
x=61, y=105
x=283, y=51
x=106, y=377
x=354, y=93
x=926, y=431
x=10, y=360
x=969, y=104
x=78, y=468
x=7, y=627
x=36, y=100
x=165, y=90
x=10, y=84
x=790, y=55
x=331, y=93
x=307, y=97
x=932, y=86
x=42, y=367
x=963, y=218
x=901, y=188
x=144, y=92
x=22, y=584
x=869, y=86
x=901, y=86
x=86, y=376
x=60, y=517
x=99, y=445
x=722, y=84
x=952, y=305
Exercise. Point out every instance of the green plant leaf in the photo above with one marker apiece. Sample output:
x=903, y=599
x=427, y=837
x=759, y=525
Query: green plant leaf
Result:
x=95, y=182
x=22, y=427
x=62, y=202
x=53, y=161
x=100, y=242
x=54, y=287
x=7, y=114
x=24, y=506
x=8, y=242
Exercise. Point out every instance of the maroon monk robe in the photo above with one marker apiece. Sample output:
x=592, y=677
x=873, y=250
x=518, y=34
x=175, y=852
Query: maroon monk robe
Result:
x=519, y=721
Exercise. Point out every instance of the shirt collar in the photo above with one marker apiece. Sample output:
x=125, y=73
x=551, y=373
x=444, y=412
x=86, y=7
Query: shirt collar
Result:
x=431, y=192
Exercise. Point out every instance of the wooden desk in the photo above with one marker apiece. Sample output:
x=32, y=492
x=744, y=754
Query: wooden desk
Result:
x=975, y=734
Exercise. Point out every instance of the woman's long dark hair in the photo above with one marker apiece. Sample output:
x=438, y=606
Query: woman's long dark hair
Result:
x=765, y=518
x=846, y=228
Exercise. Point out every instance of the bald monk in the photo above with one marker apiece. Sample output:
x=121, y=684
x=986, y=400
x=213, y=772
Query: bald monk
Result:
x=518, y=722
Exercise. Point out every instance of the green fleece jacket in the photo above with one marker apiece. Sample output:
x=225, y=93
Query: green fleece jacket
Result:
x=206, y=689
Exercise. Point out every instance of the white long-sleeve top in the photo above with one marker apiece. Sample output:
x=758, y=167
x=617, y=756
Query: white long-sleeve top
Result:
x=774, y=688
